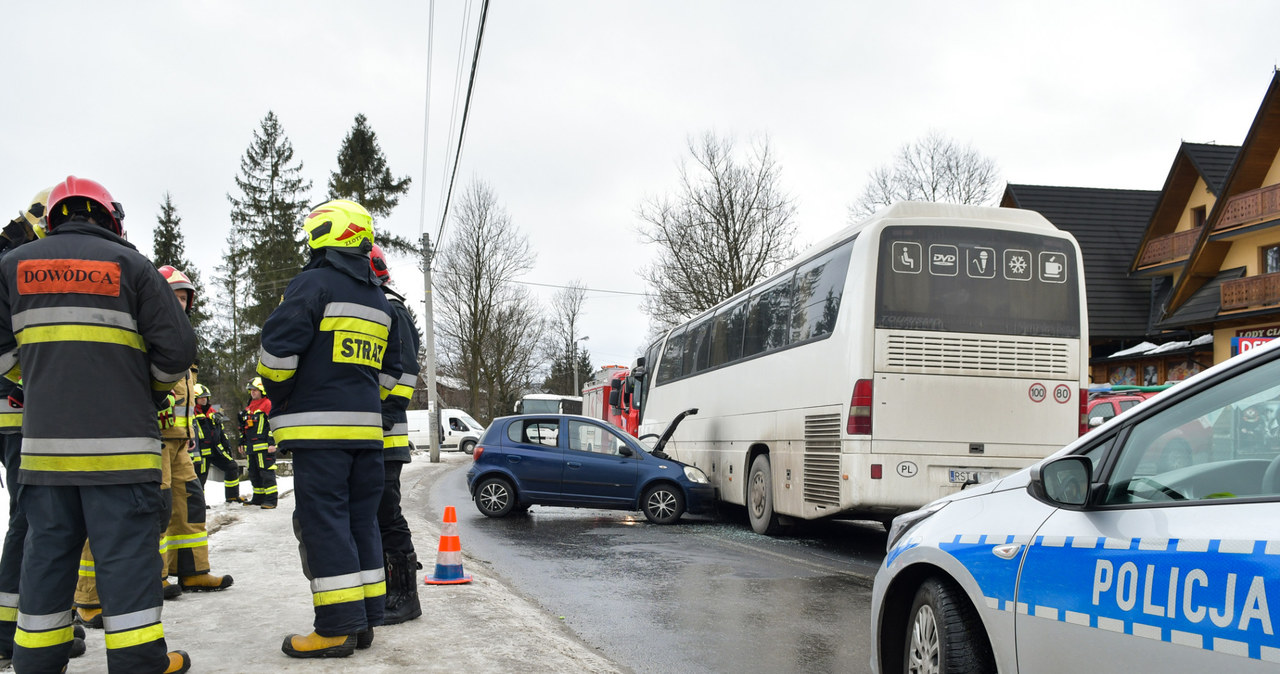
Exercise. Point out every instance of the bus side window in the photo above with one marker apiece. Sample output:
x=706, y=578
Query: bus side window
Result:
x=672, y=358
x=768, y=319
x=818, y=287
x=696, y=343
x=726, y=334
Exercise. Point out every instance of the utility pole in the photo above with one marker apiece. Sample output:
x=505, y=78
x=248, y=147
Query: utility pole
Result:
x=573, y=361
x=430, y=335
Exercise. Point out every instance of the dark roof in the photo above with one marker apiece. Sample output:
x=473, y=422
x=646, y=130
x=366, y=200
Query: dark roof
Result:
x=1213, y=162
x=1203, y=306
x=1108, y=225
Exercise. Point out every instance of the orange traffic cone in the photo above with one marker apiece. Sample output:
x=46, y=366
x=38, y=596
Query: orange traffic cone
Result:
x=449, y=559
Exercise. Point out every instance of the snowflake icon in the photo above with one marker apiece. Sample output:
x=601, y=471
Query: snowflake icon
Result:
x=1018, y=265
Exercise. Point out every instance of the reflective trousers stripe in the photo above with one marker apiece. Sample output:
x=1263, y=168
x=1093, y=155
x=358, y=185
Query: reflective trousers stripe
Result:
x=11, y=420
x=87, y=569
x=134, y=637
x=188, y=541
x=46, y=639
x=338, y=596
x=8, y=614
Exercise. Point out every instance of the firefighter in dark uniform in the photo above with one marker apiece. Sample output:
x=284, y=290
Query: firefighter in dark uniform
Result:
x=83, y=305
x=259, y=446
x=26, y=227
x=211, y=447
x=397, y=541
x=330, y=355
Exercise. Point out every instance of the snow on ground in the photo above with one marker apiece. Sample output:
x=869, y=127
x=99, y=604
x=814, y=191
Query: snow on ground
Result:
x=483, y=626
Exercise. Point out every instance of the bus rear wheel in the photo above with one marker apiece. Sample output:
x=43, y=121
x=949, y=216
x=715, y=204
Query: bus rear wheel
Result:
x=760, y=498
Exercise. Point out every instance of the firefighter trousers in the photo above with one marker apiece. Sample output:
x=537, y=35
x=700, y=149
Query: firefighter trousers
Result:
x=336, y=522
x=123, y=521
x=185, y=544
x=11, y=557
x=222, y=461
x=262, y=475
x=396, y=537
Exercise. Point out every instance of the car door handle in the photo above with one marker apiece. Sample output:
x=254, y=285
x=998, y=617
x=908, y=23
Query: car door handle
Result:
x=513, y=459
x=573, y=464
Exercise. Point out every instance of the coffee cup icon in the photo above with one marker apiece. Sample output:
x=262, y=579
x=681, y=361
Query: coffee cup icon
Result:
x=1052, y=268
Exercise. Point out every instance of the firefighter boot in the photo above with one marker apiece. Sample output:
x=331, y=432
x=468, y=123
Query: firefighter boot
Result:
x=315, y=646
x=364, y=639
x=77, y=647
x=179, y=662
x=205, y=582
x=402, y=589
x=89, y=617
x=171, y=591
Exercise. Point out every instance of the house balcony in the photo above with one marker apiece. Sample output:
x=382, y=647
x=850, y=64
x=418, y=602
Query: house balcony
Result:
x=1169, y=247
x=1250, y=292
x=1251, y=208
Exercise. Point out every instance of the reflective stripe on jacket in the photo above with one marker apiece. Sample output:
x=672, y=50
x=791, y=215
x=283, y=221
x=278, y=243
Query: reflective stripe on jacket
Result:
x=396, y=440
x=330, y=356
x=101, y=339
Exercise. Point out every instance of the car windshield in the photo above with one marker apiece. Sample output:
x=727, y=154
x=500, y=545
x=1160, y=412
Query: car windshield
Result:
x=475, y=425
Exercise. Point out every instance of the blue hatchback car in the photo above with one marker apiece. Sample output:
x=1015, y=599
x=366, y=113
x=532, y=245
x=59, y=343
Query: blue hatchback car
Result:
x=575, y=461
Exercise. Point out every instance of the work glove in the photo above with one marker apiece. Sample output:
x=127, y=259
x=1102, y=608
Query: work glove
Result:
x=165, y=416
x=17, y=398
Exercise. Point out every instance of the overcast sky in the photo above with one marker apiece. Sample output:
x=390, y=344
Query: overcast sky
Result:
x=582, y=109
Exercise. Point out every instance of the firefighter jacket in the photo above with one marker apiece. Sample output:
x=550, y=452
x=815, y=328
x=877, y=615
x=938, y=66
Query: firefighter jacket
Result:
x=95, y=330
x=178, y=424
x=209, y=434
x=255, y=434
x=396, y=440
x=329, y=356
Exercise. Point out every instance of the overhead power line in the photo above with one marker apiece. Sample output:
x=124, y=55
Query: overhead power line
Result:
x=466, y=109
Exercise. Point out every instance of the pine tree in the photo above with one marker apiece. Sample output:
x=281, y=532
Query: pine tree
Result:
x=271, y=206
x=233, y=343
x=363, y=177
x=169, y=248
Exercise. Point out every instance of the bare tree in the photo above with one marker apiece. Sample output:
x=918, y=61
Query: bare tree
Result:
x=564, y=331
x=934, y=168
x=511, y=352
x=485, y=254
x=728, y=225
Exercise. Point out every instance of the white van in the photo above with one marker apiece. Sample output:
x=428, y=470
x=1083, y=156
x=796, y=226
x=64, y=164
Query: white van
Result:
x=461, y=432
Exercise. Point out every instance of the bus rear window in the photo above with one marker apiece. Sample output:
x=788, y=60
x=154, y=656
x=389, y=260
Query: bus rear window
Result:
x=969, y=279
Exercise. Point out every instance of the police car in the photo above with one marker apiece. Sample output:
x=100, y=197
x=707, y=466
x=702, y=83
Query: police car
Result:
x=1103, y=557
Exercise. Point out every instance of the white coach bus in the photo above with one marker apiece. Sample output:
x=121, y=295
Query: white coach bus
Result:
x=927, y=347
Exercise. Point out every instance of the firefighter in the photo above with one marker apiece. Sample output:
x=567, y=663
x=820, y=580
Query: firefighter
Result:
x=211, y=444
x=259, y=446
x=400, y=560
x=83, y=305
x=185, y=543
x=20, y=230
x=330, y=355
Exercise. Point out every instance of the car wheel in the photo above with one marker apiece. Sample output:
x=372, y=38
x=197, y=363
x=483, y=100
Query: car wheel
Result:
x=663, y=504
x=468, y=447
x=495, y=497
x=943, y=634
x=760, y=498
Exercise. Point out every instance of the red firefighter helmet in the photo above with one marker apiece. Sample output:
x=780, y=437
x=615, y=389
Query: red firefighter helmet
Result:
x=378, y=263
x=81, y=196
x=179, y=281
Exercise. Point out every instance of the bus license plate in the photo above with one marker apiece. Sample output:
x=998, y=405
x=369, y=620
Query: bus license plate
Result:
x=980, y=476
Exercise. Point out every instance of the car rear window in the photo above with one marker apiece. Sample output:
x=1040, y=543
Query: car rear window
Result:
x=534, y=431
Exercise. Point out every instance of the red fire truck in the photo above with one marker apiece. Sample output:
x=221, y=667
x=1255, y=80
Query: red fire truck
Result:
x=608, y=397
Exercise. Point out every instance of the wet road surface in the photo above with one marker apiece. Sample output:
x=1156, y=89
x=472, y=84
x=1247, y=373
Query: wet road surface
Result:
x=704, y=595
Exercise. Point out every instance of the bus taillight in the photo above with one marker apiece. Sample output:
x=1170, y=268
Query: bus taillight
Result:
x=860, y=409
x=1084, y=411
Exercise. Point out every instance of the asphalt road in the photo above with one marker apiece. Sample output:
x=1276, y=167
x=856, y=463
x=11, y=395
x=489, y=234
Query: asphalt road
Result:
x=704, y=595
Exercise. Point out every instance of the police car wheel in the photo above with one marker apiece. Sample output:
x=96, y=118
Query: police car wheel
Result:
x=495, y=497
x=943, y=633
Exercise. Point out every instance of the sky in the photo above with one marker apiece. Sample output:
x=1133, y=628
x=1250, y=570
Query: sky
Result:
x=583, y=109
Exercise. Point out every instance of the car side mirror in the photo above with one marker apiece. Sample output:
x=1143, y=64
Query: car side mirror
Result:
x=614, y=401
x=1063, y=482
x=1095, y=422
x=625, y=451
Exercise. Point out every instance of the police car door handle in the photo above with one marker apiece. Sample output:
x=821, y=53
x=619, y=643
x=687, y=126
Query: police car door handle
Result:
x=1006, y=551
